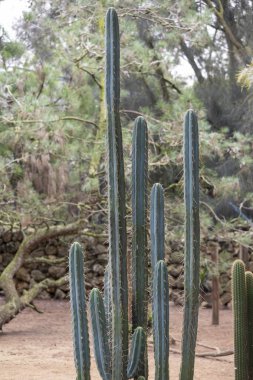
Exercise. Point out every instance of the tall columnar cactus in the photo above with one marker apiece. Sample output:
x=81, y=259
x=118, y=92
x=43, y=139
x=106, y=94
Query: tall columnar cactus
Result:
x=116, y=199
x=139, y=232
x=109, y=314
x=240, y=321
x=79, y=313
x=192, y=245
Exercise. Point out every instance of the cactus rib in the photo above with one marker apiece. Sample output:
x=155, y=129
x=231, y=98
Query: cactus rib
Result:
x=79, y=313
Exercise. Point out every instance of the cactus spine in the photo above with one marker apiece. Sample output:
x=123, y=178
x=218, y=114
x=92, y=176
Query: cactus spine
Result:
x=79, y=314
x=192, y=243
x=240, y=320
x=139, y=240
x=117, y=212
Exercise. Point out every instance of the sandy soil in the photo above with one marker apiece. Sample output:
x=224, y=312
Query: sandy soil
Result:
x=39, y=347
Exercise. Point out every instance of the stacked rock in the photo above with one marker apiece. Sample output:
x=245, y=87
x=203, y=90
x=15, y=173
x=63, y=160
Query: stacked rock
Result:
x=35, y=270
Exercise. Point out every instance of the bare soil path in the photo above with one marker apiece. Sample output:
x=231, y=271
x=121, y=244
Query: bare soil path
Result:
x=39, y=346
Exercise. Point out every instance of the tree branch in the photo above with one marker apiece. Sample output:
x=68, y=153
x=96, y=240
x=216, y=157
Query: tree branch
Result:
x=34, y=121
x=32, y=242
x=190, y=57
x=9, y=310
x=220, y=14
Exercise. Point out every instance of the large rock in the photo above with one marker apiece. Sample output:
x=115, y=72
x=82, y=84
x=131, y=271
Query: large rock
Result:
x=44, y=295
x=56, y=271
x=12, y=247
x=51, y=250
x=62, y=251
x=101, y=248
x=7, y=236
x=102, y=258
x=176, y=258
x=179, y=284
x=7, y=257
x=37, y=275
x=23, y=275
x=21, y=286
x=98, y=269
x=225, y=299
x=59, y=294
x=175, y=270
x=38, y=253
x=17, y=236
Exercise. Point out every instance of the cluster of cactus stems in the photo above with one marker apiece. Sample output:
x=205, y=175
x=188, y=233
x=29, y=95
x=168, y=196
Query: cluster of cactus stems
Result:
x=242, y=295
x=116, y=359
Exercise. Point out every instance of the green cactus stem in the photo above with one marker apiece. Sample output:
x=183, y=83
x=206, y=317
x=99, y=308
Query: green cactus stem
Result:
x=192, y=245
x=239, y=299
x=137, y=350
x=79, y=313
x=160, y=310
x=99, y=332
x=139, y=239
x=157, y=224
x=249, y=291
x=117, y=212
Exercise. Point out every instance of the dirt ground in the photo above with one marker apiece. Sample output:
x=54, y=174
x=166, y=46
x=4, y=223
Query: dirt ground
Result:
x=39, y=347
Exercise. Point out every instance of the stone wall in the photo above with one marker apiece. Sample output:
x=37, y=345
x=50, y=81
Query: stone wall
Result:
x=57, y=249
x=96, y=259
x=228, y=250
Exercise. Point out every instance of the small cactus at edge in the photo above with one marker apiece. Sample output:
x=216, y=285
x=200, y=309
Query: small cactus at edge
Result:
x=240, y=293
